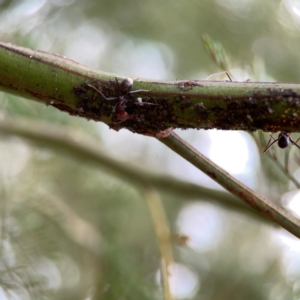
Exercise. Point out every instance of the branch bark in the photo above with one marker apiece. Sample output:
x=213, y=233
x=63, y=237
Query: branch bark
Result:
x=81, y=91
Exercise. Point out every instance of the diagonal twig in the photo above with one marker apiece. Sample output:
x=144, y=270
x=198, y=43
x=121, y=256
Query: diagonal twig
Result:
x=256, y=201
x=74, y=145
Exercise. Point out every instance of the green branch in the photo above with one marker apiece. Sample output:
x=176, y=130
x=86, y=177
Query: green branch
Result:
x=81, y=91
x=158, y=106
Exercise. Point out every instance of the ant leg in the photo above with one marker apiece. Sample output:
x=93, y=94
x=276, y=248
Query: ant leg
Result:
x=146, y=103
x=287, y=159
x=295, y=143
x=115, y=108
x=138, y=91
x=139, y=101
x=270, y=144
x=117, y=83
x=227, y=73
x=101, y=94
x=271, y=136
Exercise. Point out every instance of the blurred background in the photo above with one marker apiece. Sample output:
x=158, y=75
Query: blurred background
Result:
x=69, y=231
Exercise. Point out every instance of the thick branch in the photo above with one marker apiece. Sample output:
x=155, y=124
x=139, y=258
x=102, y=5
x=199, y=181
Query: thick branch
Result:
x=81, y=91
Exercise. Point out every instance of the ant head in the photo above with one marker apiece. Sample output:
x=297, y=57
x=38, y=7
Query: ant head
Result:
x=283, y=140
x=126, y=85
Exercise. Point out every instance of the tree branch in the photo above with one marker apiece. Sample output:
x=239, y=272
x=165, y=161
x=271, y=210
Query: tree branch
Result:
x=256, y=201
x=180, y=104
x=75, y=146
x=159, y=105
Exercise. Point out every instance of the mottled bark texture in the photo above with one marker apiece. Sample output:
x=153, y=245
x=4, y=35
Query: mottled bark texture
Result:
x=147, y=106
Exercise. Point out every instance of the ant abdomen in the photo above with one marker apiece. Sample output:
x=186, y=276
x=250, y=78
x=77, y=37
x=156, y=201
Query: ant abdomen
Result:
x=283, y=140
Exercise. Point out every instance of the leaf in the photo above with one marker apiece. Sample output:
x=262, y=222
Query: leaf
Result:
x=216, y=51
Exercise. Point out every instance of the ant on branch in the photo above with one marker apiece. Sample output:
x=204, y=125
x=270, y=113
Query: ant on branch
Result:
x=124, y=89
x=283, y=141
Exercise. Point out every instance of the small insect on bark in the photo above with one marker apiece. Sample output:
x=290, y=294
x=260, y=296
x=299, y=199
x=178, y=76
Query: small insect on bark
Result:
x=283, y=141
x=123, y=88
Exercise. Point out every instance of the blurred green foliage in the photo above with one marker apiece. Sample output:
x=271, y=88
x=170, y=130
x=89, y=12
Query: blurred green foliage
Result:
x=216, y=52
x=71, y=232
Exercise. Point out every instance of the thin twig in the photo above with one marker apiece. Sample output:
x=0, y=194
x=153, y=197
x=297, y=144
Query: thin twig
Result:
x=74, y=145
x=283, y=169
x=256, y=201
x=83, y=150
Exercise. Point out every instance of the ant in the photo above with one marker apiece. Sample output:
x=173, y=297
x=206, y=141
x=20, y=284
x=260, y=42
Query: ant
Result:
x=124, y=89
x=283, y=138
x=283, y=141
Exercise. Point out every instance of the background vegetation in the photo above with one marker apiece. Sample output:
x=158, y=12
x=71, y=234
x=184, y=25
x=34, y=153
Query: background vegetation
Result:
x=70, y=231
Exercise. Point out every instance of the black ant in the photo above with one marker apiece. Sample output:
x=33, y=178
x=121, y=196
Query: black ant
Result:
x=124, y=89
x=283, y=141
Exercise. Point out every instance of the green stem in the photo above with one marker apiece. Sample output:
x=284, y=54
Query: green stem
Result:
x=73, y=88
x=163, y=236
